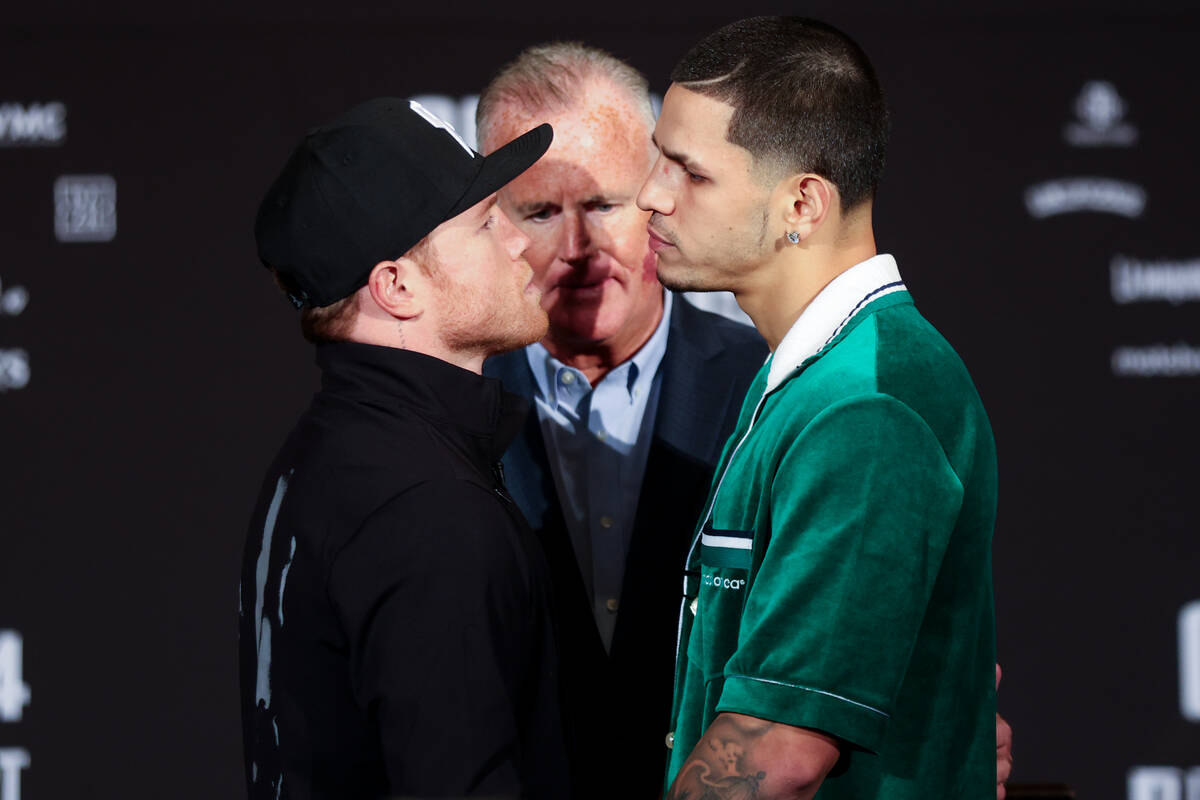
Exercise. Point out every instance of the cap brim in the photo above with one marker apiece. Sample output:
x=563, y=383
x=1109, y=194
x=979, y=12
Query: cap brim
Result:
x=505, y=164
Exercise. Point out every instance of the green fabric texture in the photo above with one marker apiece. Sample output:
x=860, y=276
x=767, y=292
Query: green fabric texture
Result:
x=868, y=480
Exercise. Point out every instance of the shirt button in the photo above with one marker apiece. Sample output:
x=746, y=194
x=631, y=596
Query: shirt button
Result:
x=601, y=435
x=606, y=522
x=567, y=377
x=612, y=604
x=671, y=740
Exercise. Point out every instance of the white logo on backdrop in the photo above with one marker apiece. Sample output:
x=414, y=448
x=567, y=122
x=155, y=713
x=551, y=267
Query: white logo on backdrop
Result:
x=1097, y=195
x=1138, y=281
x=1101, y=111
x=1156, y=361
x=13, y=300
x=33, y=125
x=12, y=761
x=1189, y=661
x=14, y=692
x=1163, y=783
x=437, y=122
x=14, y=369
x=85, y=208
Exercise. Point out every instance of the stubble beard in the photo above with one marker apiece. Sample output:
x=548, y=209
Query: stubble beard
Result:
x=748, y=246
x=478, y=324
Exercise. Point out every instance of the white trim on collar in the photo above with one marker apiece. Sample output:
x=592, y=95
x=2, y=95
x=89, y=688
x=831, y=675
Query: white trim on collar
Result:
x=830, y=310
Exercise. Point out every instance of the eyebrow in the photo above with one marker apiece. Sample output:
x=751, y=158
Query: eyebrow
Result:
x=539, y=205
x=536, y=205
x=677, y=157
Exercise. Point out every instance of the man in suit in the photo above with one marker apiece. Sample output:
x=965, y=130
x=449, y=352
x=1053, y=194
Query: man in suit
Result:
x=635, y=393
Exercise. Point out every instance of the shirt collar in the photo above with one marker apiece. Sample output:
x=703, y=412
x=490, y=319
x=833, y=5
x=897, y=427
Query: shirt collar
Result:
x=395, y=381
x=642, y=366
x=828, y=313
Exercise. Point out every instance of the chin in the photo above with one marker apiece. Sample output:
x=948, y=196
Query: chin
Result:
x=676, y=279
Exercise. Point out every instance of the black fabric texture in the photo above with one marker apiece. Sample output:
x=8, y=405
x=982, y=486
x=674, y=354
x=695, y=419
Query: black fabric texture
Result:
x=395, y=632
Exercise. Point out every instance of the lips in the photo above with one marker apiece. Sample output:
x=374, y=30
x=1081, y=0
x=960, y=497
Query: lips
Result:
x=590, y=284
x=584, y=291
x=657, y=241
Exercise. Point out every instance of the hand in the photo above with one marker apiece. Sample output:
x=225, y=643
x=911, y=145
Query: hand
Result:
x=1004, y=757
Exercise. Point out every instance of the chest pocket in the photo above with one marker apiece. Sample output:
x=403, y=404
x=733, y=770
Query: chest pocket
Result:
x=725, y=557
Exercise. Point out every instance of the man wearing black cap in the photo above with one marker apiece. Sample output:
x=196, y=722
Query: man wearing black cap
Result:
x=393, y=621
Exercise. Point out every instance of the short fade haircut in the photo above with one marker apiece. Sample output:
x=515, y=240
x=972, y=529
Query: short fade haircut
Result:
x=805, y=99
x=550, y=77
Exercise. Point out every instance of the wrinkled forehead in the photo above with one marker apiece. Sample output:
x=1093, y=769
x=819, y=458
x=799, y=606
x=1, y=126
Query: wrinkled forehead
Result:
x=604, y=116
x=594, y=156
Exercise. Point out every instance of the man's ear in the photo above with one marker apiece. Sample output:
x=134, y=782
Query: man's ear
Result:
x=808, y=201
x=399, y=287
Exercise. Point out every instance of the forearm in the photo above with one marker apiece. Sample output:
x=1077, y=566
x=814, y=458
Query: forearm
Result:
x=746, y=757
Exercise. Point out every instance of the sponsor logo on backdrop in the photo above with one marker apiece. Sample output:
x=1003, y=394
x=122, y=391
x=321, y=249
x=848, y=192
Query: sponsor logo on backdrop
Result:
x=1176, y=783
x=1189, y=661
x=14, y=369
x=13, y=300
x=1100, y=111
x=1156, y=361
x=34, y=125
x=1164, y=783
x=1136, y=280
x=14, y=696
x=12, y=761
x=14, y=692
x=85, y=208
x=1085, y=194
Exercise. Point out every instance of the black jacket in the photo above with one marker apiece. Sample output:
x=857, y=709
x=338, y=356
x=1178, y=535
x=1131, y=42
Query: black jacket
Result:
x=395, y=637
x=617, y=704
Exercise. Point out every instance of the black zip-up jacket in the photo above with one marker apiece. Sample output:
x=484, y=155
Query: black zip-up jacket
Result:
x=394, y=625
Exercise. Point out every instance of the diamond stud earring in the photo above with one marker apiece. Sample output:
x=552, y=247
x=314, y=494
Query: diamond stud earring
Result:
x=793, y=237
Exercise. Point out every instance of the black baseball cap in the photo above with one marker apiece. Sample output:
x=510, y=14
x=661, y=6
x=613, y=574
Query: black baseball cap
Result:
x=367, y=187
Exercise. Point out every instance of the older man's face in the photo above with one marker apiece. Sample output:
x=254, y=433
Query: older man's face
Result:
x=589, y=247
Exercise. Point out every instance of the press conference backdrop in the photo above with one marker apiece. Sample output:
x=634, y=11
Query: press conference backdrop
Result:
x=1040, y=198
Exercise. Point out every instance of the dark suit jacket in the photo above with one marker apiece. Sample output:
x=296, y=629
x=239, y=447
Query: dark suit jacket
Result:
x=617, y=705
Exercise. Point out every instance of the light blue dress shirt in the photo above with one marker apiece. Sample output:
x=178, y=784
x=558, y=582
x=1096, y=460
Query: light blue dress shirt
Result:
x=597, y=439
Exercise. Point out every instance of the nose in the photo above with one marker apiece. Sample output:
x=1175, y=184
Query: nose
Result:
x=654, y=194
x=574, y=242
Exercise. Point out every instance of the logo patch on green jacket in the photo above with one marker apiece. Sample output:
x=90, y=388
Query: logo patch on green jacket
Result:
x=726, y=548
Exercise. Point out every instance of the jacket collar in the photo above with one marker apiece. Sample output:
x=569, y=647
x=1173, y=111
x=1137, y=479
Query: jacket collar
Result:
x=830, y=311
x=391, y=379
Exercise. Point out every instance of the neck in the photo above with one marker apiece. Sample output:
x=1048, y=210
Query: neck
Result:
x=595, y=359
x=776, y=295
x=410, y=336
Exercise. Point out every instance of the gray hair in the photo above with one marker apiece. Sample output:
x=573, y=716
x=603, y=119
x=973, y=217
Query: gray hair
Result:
x=550, y=77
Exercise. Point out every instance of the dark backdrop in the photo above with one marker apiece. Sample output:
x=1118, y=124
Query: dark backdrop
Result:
x=146, y=380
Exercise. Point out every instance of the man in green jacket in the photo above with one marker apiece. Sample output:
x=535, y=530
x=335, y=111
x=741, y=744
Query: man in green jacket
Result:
x=837, y=632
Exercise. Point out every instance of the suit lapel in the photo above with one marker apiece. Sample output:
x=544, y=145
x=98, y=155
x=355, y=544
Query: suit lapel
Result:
x=526, y=466
x=687, y=417
x=686, y=444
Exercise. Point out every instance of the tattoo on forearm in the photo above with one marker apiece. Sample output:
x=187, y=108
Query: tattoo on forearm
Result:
x=719, y=768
